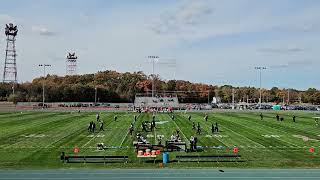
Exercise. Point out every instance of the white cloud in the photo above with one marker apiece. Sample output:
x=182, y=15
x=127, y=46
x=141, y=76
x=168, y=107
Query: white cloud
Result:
x=43, y=31
x=183, y=18
x=200, y=20
x=5, y=18
x=293, y=64
x=281, y=50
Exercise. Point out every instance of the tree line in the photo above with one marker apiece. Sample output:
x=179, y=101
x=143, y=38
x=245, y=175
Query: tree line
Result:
x=112, y=86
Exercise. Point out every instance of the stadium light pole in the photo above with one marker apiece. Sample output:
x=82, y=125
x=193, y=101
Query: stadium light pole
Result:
x=95, y=95
x=260, y=68
x=43, y=82
x=288, y=97
x=154, y=59
x=232, y=98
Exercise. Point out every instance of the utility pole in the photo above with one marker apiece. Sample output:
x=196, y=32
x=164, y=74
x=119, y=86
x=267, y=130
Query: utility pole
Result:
x=43, y=82
x=260, y=68
x=208, y=96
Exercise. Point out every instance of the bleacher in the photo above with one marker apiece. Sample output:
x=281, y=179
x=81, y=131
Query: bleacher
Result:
x=7, y=106
x=144, y=101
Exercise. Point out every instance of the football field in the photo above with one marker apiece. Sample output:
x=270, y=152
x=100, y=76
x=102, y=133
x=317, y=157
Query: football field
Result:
x=35, y=139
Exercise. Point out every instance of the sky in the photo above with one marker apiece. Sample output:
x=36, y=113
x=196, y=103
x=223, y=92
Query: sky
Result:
x=206, y=41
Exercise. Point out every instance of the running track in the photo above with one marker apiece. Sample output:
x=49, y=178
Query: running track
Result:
x=85, y=174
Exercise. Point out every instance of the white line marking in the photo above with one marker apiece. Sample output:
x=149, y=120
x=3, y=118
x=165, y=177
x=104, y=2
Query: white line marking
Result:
x=243, y=136
x=124, y=139
x=186, y=139
x=90, y=140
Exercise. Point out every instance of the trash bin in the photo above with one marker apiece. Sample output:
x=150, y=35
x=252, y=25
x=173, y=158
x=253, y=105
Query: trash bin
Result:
x=165, y=157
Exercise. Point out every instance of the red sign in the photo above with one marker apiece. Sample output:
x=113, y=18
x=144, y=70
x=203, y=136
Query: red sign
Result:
x=311, y=150
x=235, y=150
x=76, y=150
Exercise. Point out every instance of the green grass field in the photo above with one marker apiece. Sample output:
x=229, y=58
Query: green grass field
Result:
x=35, y=139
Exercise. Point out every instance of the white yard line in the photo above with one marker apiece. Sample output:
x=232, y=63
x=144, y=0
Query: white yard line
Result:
x=281, y=132
x=123, y=139
x=181, y=131
x=59, y=139
x=224, y=144
x=265, y=130
x=155, y=133
x=90, y=140
x=244, y=136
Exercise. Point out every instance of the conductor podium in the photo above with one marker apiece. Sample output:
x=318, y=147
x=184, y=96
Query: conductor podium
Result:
x=176, y=146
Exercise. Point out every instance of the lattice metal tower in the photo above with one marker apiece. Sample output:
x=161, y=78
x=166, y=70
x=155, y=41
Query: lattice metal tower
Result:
x=71, y=64
x=10, y=64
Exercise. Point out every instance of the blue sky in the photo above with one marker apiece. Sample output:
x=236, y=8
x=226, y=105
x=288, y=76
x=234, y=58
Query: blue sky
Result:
x=208, y=41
